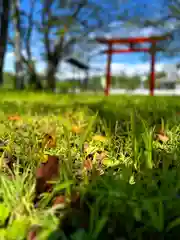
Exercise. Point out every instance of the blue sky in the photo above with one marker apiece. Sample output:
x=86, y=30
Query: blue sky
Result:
x=128, y=61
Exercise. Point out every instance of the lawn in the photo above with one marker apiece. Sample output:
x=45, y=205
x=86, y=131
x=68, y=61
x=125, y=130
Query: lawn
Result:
x=88, y=167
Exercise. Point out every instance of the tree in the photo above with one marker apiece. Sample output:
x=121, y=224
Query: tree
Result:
x=172, y=25
x=24, y=26
x=68, y=23
x=28, y=59
x=164, y=18
x=4, y=24
x=19, y=82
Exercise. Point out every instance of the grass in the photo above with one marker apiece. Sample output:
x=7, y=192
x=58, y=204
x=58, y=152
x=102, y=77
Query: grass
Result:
x=115, y=179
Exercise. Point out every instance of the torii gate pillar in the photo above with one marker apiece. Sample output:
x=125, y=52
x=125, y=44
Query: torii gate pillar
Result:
x=108, y=71
x=152, y=77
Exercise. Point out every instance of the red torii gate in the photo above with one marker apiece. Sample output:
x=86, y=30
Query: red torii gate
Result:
x=131, y=42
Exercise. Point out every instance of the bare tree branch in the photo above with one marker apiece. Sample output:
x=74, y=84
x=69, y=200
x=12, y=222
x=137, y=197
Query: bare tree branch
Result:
x=23, y=58
x=58, y=46
x=30, y=27
x=46, y=12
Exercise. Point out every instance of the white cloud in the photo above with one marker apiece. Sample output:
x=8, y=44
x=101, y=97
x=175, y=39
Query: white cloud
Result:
x=129, y=69
x=121, y=30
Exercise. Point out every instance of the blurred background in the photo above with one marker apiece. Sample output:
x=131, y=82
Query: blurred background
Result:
x=51, y=45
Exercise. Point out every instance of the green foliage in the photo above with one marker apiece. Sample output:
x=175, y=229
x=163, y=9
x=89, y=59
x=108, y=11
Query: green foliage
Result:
x=9, y=79
x=68, y=85
x=119, y=81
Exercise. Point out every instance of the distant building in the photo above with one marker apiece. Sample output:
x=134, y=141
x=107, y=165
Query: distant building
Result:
x=172, y=76
x=167, y=84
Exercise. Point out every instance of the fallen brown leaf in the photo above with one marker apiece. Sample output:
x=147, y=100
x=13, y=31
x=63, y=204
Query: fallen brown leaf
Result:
x=49, y=141
x=161, y=136
x=14, y=118
x=100, y=156
x=32, y=234
x=47, y=171
x=88, y=162
x=59, y=200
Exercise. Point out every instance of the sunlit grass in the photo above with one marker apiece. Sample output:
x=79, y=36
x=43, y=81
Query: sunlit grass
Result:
x=133, y=180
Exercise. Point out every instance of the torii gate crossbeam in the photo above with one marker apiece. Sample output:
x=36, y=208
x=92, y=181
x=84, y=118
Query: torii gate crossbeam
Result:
x=131, y=42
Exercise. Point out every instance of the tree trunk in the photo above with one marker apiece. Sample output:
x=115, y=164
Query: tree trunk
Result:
x=85, y=82
x=51, y=79
x=35, y=81
x=18, y=57
x=4, y=23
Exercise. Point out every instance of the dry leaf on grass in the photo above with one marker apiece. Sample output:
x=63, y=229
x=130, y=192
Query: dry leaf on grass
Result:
x=32, y=234
x=100, y=156
x=47, y=171
x=49, y=141
x=14, y=118
x=162, y=137
x=88, y=165
x=59, y=200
